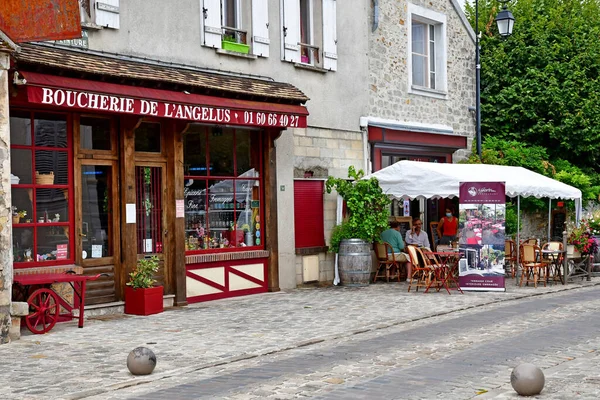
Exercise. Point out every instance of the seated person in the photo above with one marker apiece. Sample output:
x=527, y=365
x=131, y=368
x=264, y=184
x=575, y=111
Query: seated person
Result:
x=394, y=238
x=417, y=236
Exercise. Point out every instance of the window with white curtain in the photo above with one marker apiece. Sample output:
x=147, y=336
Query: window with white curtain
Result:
x=427, y=51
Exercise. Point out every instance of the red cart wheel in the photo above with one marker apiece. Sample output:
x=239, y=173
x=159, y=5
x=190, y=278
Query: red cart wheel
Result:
x=43, y=311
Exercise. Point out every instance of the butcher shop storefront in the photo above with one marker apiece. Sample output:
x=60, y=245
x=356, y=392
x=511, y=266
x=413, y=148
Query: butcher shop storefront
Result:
x=115, y=160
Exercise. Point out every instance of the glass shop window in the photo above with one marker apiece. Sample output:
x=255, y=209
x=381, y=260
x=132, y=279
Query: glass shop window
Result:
x=223, y=188
x=41, y=185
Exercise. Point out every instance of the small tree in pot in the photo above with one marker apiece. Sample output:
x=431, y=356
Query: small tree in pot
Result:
x=141, y=296
x=368, y=217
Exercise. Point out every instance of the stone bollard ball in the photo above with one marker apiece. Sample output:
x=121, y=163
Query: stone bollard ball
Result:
x=141, y=361
x=527, y=379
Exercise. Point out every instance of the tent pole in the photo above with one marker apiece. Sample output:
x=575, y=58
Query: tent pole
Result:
x=549, y=216
x=518, y=244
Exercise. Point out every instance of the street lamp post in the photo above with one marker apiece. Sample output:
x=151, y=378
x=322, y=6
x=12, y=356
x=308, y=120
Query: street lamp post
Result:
x=505, y=22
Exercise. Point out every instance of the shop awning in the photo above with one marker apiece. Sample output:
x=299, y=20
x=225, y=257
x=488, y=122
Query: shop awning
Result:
x=89, y=95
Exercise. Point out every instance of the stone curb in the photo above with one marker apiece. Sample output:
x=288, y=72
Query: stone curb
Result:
x=309, y=342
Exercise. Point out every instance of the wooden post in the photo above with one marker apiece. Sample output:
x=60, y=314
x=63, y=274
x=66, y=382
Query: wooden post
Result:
x=128, y=238
x=272, y=243
x=177, y=228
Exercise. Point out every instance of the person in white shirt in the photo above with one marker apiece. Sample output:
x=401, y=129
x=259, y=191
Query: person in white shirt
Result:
x=416, y=235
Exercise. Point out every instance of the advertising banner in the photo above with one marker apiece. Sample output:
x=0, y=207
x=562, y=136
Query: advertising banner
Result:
x=482, y=213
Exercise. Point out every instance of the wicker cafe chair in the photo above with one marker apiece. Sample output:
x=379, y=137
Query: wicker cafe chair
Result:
x=553, y=263
x=510, y=256
x=533, y=269
x=530, y=241
x=421, y=273
x=384, y=264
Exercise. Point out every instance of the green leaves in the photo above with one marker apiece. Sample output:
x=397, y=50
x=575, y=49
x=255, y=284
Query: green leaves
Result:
x=540, y=86
x=367, y=207
x=142, y=276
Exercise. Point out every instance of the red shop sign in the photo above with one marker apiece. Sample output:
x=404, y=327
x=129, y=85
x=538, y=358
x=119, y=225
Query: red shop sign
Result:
x=85, y=100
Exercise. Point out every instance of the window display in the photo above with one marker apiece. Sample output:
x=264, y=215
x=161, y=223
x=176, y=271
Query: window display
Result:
x=41, y=185
x=223, y=201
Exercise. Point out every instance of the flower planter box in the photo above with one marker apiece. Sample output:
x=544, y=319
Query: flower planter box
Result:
x=237, y=47
x=143, y=301
x=572, y=252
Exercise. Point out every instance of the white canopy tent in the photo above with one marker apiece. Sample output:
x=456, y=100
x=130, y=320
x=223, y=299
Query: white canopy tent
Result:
x=413, y=179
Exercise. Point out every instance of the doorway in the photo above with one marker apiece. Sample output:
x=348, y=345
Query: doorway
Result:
x=97, y=232
x=151, y=223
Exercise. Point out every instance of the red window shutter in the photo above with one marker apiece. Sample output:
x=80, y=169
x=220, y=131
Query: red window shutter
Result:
x=308, y=213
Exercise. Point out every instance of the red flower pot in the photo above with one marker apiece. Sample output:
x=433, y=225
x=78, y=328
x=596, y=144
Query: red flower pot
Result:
x=143, y=301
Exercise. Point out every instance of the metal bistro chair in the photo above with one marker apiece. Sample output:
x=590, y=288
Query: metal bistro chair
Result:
x=510, y=256
x=385, y=264
x=533, y=269
x=421, y=273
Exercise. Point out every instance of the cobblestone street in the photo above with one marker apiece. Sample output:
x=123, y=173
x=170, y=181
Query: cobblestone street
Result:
x=376, y=342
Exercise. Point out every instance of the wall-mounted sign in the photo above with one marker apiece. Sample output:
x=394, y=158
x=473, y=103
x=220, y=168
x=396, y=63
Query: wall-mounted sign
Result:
x=84, y=100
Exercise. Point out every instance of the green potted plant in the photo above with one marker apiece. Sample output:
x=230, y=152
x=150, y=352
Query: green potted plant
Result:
x=368, y=216
x=230, y=43
x=141, y=296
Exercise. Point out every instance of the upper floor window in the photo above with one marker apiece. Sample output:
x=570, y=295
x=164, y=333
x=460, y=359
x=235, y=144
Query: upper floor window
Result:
x=427, y=51
x=236, y=25
x=100, y=13
x=309, y=32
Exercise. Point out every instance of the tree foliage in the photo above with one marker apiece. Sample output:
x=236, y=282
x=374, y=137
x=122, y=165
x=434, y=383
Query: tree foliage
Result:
x=540, y=86
x=533, y=157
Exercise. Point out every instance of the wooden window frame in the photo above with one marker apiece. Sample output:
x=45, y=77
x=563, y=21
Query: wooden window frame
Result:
x=33, y=186
x=207, y=178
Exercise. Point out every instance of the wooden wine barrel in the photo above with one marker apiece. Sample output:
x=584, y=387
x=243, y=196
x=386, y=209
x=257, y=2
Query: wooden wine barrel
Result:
x=354, y=262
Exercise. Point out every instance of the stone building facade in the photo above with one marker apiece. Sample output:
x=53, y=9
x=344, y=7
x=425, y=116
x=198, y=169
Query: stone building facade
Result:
x=404, y=118
x=354, y=68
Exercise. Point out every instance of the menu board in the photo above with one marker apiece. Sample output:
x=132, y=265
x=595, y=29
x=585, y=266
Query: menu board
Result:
x=405, y=224
x=559, y=217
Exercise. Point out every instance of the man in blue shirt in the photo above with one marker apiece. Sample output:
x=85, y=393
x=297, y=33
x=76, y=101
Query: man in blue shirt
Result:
x=394, y=238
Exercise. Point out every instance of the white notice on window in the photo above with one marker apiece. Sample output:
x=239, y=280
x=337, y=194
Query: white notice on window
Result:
x=130, y=213
x=148, y=245
x=96, y=250
x=179, y=209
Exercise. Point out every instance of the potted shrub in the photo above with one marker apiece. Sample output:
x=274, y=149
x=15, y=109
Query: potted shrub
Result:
x=368, y=217
x=229, y=43
x=141, y=296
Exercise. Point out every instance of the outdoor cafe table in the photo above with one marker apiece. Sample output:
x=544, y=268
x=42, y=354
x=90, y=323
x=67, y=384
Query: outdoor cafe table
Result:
x=554, y=257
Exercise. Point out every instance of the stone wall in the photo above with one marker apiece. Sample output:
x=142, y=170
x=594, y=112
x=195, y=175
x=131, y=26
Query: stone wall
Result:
x=325, y=152
x=390, y=95
x=5, y=202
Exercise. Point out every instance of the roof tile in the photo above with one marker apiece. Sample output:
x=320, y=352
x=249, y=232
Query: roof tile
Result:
x=128, y=69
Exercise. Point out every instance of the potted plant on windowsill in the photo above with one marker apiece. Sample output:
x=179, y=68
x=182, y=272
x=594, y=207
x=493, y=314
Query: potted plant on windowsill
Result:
x=141, y=296
x=229, y=43
x=368, y=216
x=17, y=215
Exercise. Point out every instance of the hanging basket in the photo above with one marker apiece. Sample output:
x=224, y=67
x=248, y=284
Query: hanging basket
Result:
x=44, y=179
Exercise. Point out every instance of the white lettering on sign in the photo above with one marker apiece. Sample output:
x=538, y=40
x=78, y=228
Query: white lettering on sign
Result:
x=190, y=112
